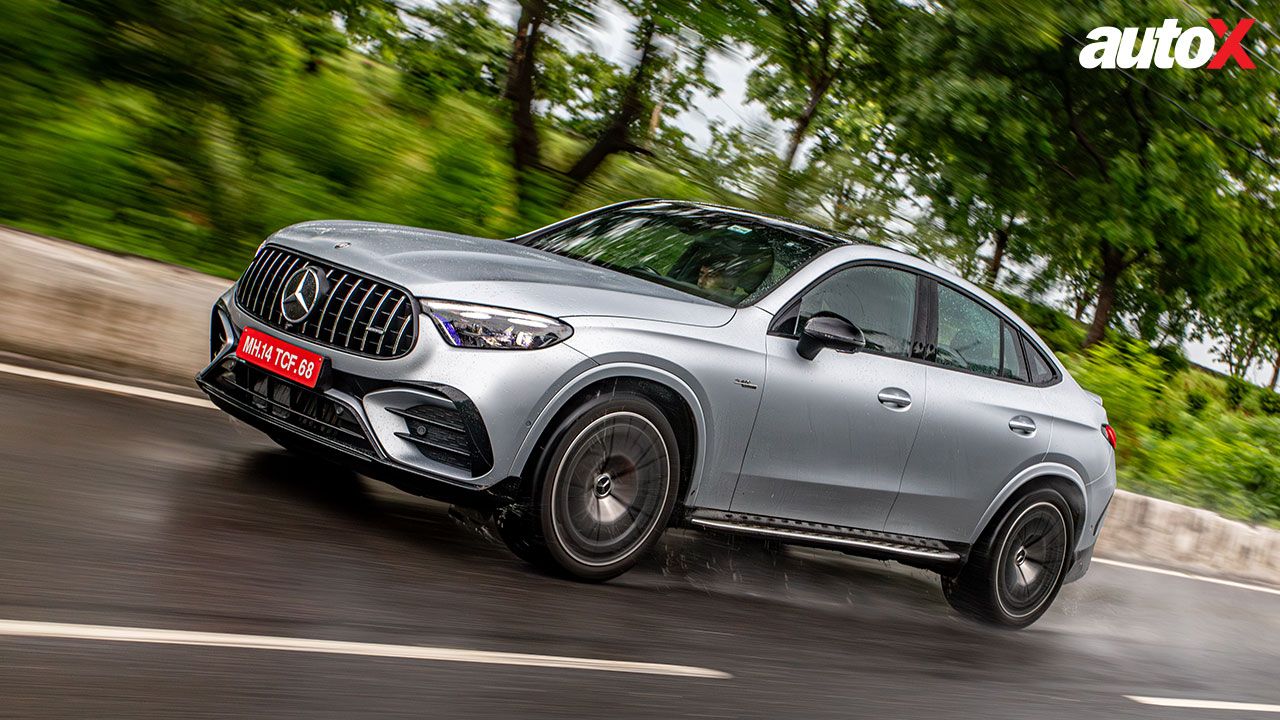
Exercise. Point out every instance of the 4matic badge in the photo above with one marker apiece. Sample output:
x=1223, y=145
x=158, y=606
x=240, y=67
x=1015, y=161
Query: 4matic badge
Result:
x=1166, y=46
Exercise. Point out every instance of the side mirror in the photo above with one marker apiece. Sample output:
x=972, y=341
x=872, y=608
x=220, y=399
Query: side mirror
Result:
x=829, y=331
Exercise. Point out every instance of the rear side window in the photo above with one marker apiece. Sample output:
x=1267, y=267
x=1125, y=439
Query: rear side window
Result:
x=969, y=335
x=1039, y=366
x=1011, y=364
x=881, y=301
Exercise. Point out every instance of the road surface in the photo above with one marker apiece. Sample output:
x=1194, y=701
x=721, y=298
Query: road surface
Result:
x=158, y=559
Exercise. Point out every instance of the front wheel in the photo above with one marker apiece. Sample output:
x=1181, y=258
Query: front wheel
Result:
x=604, y=491
x=1016, y=569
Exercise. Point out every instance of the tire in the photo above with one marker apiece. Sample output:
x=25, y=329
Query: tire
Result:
x=1016, y=568
x=602, y=493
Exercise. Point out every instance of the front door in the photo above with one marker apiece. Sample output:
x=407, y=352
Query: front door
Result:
x=833, y=434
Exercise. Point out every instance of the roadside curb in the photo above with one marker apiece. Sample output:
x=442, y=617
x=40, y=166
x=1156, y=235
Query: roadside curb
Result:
x=139, y=318
x=1162, y=533
x=125, y=315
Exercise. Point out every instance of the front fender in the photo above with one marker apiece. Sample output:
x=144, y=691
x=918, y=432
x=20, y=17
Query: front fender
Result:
x=608, y=371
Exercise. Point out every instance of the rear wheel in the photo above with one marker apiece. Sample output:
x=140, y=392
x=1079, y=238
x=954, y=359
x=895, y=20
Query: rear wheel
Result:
x=1016, y=569
x=603, y=492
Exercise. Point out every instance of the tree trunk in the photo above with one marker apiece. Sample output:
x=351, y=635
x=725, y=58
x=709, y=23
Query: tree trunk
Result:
x=519, y=90
x=660, y=102
x=997, y=256
x=616, y=136
x=1112, y=267
x=1250, y=356
x=1275, y=371
x=1082, y=304
x=817, y=93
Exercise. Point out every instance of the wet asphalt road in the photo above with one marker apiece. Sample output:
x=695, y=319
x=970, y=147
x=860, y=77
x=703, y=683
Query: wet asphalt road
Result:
x=132, y=512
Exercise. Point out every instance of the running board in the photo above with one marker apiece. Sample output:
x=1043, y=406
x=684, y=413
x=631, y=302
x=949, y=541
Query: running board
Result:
x=857, y=541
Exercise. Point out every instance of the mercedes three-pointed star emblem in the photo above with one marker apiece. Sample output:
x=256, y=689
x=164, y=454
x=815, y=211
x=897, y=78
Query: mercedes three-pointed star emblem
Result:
x=303, y=291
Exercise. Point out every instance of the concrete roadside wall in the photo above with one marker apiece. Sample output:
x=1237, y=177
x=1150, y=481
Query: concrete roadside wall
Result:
x=1158, y=532
x=144, y=319
x=70, y=303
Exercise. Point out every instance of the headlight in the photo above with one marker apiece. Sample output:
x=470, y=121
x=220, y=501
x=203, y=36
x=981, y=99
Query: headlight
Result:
x=479, y=326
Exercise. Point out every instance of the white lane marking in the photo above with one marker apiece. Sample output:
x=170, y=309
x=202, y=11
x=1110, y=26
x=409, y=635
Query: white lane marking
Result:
x=104, y=386
x=1188, y=576
x=109, y=633
x=1204, y=704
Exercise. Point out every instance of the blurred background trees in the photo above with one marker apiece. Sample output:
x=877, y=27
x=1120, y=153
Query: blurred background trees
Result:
x=1123, y=211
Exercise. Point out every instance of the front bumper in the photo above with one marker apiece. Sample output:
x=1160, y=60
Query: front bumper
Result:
x=440, y=422
x=416, y=481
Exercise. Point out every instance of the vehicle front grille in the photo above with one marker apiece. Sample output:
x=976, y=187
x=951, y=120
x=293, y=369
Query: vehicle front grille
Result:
x=358, y=314
x=307, y=410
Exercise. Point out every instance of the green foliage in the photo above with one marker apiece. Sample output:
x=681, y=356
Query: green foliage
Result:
x=1056, y=328
x=1269, y=402
x=1171, y=447
x=1196, y=402
x=1173, y=358
x=1238, y=392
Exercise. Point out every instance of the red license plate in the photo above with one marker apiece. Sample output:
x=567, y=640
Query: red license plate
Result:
x=286, y=360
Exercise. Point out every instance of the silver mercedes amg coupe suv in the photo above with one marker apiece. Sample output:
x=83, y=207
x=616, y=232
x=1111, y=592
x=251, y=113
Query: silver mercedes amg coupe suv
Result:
x=659, y=363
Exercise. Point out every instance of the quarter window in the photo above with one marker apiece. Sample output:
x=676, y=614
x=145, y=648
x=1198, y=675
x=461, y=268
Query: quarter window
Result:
x=1041, y=369
x=1011, y=365
x=881, y=301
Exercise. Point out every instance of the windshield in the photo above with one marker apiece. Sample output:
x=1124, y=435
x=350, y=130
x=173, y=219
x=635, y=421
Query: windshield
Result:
x=715, y=254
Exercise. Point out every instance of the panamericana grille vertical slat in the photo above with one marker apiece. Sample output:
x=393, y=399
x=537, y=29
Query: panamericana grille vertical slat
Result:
x=263, y=269
x=252, y=276
x=356, y=315
x=386, y=329
x=364, y=339
x=360, y=315
x=269, y=267
x=342, y=309
x=272, y=313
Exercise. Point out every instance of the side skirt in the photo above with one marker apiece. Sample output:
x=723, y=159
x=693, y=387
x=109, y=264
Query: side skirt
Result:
x=908, y=549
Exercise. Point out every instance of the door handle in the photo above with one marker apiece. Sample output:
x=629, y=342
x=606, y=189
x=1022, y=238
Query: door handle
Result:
x=894, y=398
x=1023, y=425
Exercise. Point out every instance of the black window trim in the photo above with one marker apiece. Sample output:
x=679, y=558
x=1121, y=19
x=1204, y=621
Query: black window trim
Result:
x=924, y=331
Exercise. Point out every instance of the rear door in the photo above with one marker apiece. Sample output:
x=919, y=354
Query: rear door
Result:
x=832, y=434
x=985, y=422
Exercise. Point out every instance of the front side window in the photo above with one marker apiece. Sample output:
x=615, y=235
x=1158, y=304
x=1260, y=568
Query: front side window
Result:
x=728, y=257
x=880, y=301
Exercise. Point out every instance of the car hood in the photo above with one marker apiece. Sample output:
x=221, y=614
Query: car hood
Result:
x=448, y=266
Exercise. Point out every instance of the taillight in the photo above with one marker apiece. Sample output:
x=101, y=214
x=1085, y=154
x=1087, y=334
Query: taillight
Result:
x=1110, y=434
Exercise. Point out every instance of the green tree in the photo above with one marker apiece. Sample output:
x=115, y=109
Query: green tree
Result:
x=808, y=53
x=1137, y=176
x=455, y=46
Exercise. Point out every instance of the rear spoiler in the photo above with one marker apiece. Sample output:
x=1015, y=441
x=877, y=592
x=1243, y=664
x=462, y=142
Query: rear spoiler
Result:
x=1094, y=397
